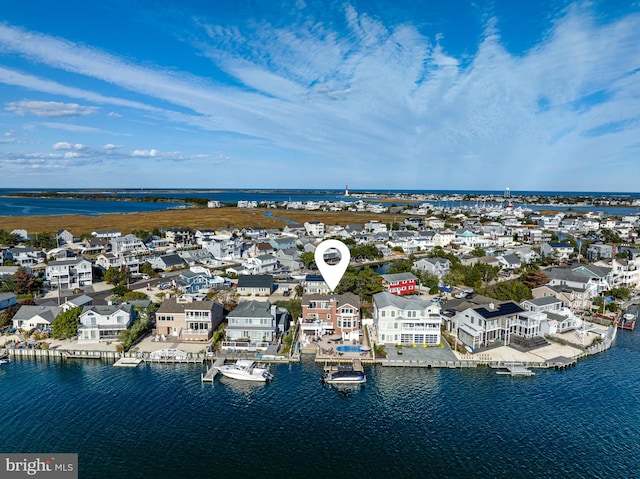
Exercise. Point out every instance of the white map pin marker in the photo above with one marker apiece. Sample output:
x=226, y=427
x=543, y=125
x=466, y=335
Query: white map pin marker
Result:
x=332, y=273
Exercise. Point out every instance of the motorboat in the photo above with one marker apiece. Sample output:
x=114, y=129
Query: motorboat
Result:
x=245, y=370
x=4, y=359
x=344, y=374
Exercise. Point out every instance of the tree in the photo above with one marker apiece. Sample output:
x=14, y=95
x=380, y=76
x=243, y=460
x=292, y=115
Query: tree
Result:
x=8, y=239
x=43, y=240
x=534, y=279
x=299, y=289
x=117, y=276
x=364, y=282
x=66, y=324
x=294, y=306
x=7, y=315
x=620, y=293
x=400, y=266
x=24, y=281
x=478, y=252
x=308, y=259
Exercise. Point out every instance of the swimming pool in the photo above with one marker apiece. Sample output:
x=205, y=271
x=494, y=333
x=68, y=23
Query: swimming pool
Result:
x=349, y=349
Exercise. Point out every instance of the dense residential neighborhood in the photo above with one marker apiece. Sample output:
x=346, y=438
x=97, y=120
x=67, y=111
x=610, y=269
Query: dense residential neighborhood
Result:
x=470, y=277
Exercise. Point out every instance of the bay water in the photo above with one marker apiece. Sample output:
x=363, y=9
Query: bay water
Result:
x=161, y=421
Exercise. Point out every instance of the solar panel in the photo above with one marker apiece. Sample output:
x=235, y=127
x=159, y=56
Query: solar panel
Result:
x=503, y=309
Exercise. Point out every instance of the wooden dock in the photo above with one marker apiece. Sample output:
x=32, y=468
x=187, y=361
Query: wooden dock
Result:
x=515, y=369
x=211, y=373
x=128, y=362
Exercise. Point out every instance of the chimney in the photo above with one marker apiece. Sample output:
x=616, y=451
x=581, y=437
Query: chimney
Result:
x=491, y=306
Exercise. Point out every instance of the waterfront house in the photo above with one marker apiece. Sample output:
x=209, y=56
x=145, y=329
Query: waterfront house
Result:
x=333, y=313
x=186, y=319
x=70, y=273
x=38, y=317
x=104, y=322
x=625, y=272
x=542, y=304
x=253, y=321
x=487, y=324
x=400, y=283
x=406, y=320
x=255, y=285
x=571, y=297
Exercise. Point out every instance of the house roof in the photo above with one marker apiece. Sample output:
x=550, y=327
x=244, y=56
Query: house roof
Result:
x=395, y=277
x=172, y=260
x=5, y=296
x=342, y=299
x=384, y=299
x=255, y=281
x=48, y=313
x=171, y=305
x=501, y=309
x=108, y=309
x=543, y=301
x=251, y=309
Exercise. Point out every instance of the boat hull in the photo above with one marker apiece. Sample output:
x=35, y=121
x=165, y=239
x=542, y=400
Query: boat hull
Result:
x=242, y=374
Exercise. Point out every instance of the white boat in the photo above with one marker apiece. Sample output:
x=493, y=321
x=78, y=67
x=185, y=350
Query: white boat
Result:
x=344, y=374
x=4, y=359
x=245, y=370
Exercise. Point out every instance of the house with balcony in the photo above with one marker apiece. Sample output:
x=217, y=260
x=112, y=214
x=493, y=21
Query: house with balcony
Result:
x=331, y=314
x=180, y=237
x=314, y=228
x=127, y=244
x=484, y=325
x=69, y=273
x=400, y=283
x=265, y=263
x=110, y=260
x=106, y=234
x=185, y=319
x=199, y=280
x=100, y=323
x=24, y=256
x=625, y=272
x=401, y=320
x=315, y=284
x=254, y=321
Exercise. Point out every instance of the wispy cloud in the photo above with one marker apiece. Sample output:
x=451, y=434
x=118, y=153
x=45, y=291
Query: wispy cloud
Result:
x=378, y=93
x=49, y=109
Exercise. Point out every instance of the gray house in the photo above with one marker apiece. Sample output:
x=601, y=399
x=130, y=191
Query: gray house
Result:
x=252, y=320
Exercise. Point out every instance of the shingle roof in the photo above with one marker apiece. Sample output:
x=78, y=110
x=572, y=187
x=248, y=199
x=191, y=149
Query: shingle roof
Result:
x=255, y=281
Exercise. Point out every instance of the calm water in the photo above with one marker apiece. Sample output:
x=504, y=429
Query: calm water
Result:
x=160, y=421
x=57, y=206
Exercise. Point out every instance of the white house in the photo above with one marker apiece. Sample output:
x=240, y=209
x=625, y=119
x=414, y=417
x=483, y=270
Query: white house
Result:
x=406, y=320
x=70, y=273
x=314, y=228
x=30, y=317
x=104, y=323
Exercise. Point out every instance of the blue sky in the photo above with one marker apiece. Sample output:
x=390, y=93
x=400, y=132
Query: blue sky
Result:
x=530, y=95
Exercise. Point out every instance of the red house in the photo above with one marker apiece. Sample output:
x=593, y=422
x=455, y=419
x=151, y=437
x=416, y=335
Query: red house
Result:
x=400, y=283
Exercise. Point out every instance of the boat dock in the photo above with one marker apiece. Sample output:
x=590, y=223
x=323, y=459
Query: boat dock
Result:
x=627, y=321
x=515, y=369
x=127, y=362
x=211, y=373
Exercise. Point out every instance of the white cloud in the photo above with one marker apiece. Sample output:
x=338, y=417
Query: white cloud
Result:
x=145, y=153
x=113, y=114
x=111, y=146
x=387, y=93
x=49, y=109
